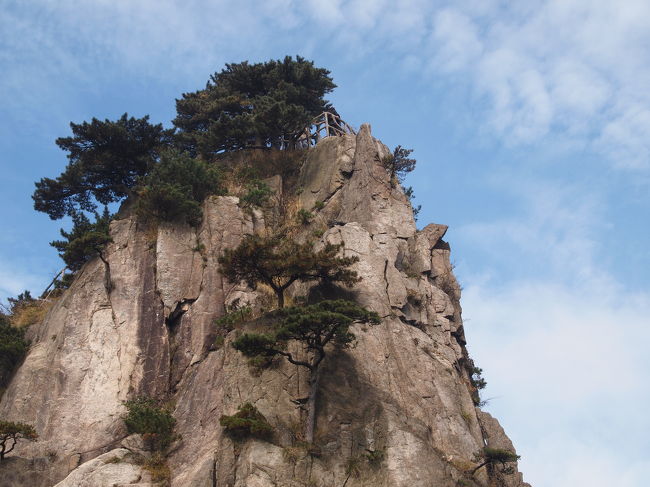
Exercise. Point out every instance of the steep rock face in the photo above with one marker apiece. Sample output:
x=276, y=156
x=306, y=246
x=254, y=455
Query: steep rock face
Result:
x=140, y=320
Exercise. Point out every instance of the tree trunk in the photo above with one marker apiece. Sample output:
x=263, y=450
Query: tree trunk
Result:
x=311, y=406
x=481, y=465
x=280, y=295
x=43, y=296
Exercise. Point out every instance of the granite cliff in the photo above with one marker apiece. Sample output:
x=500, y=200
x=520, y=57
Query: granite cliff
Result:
x=140, y=320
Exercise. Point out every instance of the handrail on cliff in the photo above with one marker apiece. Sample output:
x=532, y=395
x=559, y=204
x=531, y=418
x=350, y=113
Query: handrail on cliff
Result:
x=327, y=124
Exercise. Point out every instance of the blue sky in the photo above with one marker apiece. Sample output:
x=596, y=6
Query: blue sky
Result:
x=529, y=121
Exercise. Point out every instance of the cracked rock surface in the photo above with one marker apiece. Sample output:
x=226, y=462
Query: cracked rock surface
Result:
x=141, y=321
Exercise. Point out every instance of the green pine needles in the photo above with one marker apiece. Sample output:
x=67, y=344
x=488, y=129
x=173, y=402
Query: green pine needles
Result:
x=258, y=105
x=314, y=326
x=11, y=433
x=151, y=419
x=86, y=239
x=107, y=159
x=246, y=423
x=176, y=187
x=492, y=457
x=13, y=348
x=279, y=262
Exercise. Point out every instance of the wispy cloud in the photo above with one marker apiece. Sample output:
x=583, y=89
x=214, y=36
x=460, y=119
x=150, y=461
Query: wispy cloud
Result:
x=562, y=366
x=556, y=69
x=542, y=69
x=557, y=338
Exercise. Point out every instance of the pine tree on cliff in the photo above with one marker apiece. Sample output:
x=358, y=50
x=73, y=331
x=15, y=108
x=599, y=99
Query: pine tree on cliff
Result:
x=11, y=433
x=106, y=161
x=280, y=262
x=252, y=105
x=314, y=326
x=398, y=164
x=86, y=239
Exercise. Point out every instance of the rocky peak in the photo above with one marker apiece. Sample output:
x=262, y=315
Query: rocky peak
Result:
x=396, y=409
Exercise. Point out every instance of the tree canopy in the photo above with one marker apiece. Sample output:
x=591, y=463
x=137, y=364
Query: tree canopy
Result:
x=247, y=422
x=171, y=171
x=176, y=186
x=280, y=262
x=106, y=160
x=252, y=105
x=152, y=419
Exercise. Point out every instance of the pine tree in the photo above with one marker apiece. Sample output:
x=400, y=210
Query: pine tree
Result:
x=86, y=239
x=252, y=105
x=175, y=188
x=279, y=263
x=13, y=348
x=106, y=160
x=398, y=164
x=314, y=326
x=493, y=456
x=11, y=433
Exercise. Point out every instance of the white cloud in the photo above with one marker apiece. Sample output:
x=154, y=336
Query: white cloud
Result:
x=555, y=229
x=567, y=376
x=559, y=339
x=625, y=138
x=544, y=69
x=557, y=67
x=455, y=39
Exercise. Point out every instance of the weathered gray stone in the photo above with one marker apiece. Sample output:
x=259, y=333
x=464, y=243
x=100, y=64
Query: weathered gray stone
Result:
x=433, y=232
x=108, y=470
x=369, y=198
x=325, y=170
x=178, y=264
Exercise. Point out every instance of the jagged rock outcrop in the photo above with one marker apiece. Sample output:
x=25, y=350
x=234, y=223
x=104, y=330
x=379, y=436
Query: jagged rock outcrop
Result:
x=396, y=409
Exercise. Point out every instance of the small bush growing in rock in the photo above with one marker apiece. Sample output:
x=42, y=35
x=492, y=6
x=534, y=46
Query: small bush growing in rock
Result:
x=398, y=164
x=236, y=315
x=375, y=457
x=304, y=217
x=477, y=382
x=410, y=194
x=258, y=194
x=156, y=465
x=247, y=422
x=353, y=467
x=152, y=420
